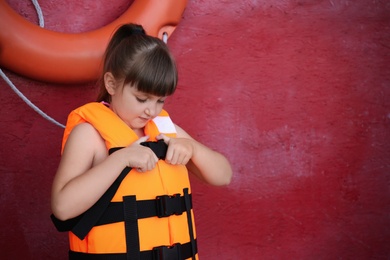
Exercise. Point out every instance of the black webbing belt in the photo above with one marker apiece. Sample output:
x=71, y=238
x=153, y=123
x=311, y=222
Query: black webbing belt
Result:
x=175, y=252
x=162, y=206
x=188, y=204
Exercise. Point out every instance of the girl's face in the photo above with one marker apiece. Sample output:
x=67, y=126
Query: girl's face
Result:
x=135, y=108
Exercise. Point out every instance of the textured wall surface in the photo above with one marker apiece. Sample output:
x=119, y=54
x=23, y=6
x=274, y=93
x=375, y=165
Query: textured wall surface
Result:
x=294, y=92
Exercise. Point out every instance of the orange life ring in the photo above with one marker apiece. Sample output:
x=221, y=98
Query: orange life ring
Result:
x=44, y=55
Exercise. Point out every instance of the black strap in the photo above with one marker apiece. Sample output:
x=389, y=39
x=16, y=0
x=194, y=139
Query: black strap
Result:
x=188, y=204
x=66, y=225
x=131, y=227
x=159, y=148
x=87, y=220
x=92, y=215
x=183, y=251
x=163, y=206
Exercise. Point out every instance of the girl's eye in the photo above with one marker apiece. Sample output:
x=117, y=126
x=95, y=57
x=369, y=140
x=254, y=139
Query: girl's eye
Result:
x=141, y=100
x=161, y=101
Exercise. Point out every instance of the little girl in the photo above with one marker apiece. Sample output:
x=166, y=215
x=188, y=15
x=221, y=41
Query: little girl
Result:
x=122, y=186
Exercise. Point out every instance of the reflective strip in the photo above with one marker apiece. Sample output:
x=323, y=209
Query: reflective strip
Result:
x=164, y=124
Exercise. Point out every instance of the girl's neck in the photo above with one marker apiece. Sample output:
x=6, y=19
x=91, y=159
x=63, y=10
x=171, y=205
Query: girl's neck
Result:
x=139, y=132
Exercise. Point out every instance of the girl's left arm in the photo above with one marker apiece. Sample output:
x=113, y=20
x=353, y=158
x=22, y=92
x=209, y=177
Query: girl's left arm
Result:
x=207, y=164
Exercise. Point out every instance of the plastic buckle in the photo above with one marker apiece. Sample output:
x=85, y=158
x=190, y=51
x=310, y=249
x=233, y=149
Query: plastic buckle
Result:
x=168, y=205
x=167, y=252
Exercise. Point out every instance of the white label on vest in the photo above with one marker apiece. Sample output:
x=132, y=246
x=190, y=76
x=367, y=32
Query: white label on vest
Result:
x=164, y=124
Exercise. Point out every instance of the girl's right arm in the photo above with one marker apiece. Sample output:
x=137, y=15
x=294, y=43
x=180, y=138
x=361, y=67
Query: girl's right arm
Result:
x=86, y=171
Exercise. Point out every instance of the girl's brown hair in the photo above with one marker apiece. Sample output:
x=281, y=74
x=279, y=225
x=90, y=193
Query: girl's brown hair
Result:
x=141, y=60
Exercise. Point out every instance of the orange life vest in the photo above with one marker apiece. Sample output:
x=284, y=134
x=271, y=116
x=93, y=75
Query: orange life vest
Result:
x=157, y=235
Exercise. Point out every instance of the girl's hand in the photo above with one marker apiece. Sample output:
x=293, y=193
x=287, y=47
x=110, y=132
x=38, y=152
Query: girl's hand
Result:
x=180, y=150
x=140, y=157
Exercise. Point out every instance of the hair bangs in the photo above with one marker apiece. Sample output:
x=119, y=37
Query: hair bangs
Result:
x=154, y=72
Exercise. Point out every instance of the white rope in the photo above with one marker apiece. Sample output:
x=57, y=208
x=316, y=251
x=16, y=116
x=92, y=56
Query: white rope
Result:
x=28, y=102
x=39, y=12
x=14, y=88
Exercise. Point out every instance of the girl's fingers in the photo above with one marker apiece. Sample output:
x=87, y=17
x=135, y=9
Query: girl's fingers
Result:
x=142, y=139
x=163, y=137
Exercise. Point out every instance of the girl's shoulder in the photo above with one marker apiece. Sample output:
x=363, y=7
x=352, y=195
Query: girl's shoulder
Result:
x=85, y=138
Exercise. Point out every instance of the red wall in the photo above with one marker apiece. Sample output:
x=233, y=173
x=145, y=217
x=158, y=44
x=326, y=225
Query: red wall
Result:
x=295, y=93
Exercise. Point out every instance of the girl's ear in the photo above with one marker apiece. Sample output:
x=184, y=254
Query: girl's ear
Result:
x=110, y=83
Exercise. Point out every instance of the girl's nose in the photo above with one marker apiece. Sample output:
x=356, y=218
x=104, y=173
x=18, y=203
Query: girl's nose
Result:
x=150, y=110
x=147, y=112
